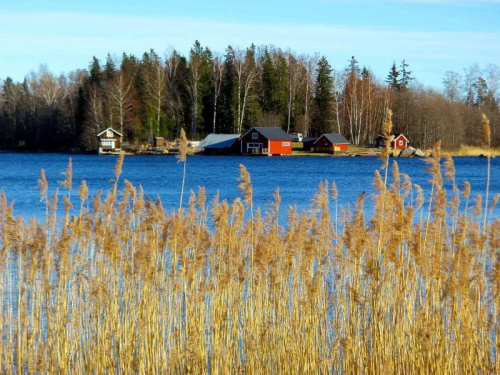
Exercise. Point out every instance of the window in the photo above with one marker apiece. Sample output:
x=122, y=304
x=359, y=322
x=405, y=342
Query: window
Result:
x=109, y=143
x=109, y=134
x=254, y=145
x=285, y=144
x=255, y=136
x=400, y=142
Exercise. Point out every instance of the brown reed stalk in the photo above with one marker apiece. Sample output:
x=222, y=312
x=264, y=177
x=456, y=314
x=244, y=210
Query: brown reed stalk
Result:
x=384, y=156
x=182, y=158
x=169, y=294
x=487, y=143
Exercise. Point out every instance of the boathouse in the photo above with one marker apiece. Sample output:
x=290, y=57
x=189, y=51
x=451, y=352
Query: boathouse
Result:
x=109, y=141
x=221, y=144
x=330, y=143
x=266, y=141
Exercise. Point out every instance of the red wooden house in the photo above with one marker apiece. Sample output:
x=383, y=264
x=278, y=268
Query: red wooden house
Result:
x=109, y=141
x=265, y=141
x=331, y=143
x=400, y=142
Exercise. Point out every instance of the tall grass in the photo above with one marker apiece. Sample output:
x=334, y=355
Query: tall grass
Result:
x=124, y=286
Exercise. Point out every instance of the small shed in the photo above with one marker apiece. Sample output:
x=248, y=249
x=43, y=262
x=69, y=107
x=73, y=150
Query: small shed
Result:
x=331, y=143
x=109, y=141
x=400, y=142
x=266, y=141
x=159, y=142
x=221, y=144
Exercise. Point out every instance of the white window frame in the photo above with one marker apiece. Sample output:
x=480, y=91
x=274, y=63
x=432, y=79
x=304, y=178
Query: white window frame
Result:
x=401, y=142
x=254, y=145
x=255, y=135
x=108, y=142
x=109, y=134
x=285, y=144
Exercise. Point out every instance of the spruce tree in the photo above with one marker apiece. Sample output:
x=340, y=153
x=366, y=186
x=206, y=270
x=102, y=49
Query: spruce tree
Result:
x=323, y=98
x=406, y=77
x=393, y=77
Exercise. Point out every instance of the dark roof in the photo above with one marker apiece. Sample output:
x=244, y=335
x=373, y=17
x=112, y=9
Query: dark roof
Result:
x=309, y=139
x=271, y=133
x=213, y=140
x=334, y=138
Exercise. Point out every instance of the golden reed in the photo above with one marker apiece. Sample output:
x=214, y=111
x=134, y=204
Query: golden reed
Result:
x=124, y=286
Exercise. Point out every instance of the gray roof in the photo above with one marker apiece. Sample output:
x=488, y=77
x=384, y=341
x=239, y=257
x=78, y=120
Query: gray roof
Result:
x=272, y=133
x=334, y=138
x=219, y=140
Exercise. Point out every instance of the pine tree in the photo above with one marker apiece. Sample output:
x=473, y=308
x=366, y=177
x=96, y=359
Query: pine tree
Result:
x=393, y=77
x=406, y=77
x=353, y=68
x=323, y=97
x=268, y=83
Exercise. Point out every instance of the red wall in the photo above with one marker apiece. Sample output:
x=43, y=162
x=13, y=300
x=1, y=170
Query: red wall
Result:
x=277, y=148
x=397, y=141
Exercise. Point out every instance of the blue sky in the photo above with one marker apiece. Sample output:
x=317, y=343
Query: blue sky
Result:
x=432, y=35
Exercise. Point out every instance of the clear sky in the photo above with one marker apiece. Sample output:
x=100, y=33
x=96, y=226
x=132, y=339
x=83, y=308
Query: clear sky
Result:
x=433, y=36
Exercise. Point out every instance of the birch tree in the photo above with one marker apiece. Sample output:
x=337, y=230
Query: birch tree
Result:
x=217, y=75
x=155, y=79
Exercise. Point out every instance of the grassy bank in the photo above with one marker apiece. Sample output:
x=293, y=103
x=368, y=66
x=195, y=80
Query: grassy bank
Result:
x=127, y=287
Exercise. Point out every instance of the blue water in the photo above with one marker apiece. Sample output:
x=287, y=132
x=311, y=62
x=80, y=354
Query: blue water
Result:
x=161, y=176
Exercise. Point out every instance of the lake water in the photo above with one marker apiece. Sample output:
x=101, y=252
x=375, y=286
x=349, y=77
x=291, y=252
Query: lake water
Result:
x=297, y=177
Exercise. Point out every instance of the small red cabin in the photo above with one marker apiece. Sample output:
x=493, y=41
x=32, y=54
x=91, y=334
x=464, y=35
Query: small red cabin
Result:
x=331, y=143
x=266, y=141
x=400, y=142
x=109, y=140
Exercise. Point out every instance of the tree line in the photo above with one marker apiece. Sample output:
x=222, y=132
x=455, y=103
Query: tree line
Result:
x=206, y=92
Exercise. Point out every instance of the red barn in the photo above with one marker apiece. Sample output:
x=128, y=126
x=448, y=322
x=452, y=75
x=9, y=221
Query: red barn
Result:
x=266, y=141
x=331, y=143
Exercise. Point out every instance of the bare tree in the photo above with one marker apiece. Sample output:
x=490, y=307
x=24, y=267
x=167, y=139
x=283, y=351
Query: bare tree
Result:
x=156, y=79
x=492, y=74
x=194, y=77
x=246, y=76
x=174, y=103
x=338, y=83
x=452, y=82
x=310, y=64
x=471, y=77
x=295, y=80
x=120, y=93
x=217, y=74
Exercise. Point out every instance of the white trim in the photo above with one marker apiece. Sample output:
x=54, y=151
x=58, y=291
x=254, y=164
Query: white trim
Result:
x=113, y=130
x=402, y=135
x=255, y=135
x=285, y=144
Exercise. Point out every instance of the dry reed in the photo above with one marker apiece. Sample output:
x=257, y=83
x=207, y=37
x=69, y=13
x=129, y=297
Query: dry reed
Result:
x=125, y=286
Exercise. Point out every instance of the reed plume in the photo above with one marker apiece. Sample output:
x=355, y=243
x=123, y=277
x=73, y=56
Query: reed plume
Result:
x=128, y=287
